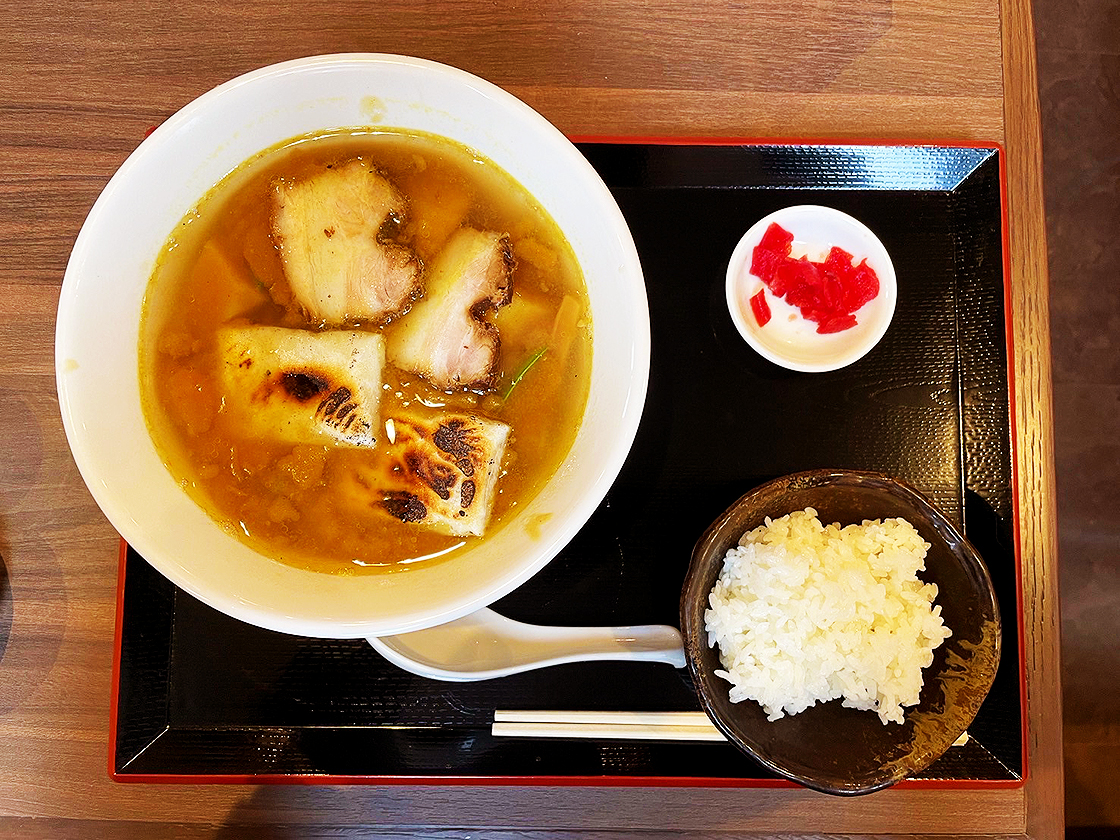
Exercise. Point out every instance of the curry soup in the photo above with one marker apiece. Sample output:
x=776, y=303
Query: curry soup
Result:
x=221, y=266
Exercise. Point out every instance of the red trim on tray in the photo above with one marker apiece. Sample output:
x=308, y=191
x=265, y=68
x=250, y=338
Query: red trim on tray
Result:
x=1009, y=327
x=118, y=636
x=668, y=781
x=540, y=781
x=773, y=141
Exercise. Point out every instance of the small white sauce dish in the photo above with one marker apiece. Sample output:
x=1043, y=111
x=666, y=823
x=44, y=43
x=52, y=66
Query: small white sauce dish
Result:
x=789, y=339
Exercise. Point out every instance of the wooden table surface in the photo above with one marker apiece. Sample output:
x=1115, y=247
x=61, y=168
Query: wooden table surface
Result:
x=82, y=82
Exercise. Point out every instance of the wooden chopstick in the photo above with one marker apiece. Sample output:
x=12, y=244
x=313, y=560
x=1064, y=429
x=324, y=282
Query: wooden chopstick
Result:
x=604, y=731
x=628, y=718
x=668, y=726
x=672, y=726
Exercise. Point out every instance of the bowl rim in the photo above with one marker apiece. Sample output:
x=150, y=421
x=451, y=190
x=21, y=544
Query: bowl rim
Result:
x=625, y=423
x=694, y=592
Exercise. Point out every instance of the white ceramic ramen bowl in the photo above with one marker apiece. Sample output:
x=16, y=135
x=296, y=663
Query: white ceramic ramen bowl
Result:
x=99, y=313
x=788, y=339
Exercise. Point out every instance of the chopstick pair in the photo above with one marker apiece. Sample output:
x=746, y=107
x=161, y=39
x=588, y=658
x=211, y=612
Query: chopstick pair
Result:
x=671, y=726
x=649, y=726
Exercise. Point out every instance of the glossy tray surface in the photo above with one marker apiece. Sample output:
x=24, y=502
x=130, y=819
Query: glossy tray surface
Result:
x=203, y=696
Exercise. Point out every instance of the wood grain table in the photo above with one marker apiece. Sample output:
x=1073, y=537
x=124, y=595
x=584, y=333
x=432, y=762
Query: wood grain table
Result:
x=81, y=83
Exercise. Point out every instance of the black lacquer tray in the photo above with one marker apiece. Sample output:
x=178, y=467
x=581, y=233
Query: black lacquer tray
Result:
x=203, y=697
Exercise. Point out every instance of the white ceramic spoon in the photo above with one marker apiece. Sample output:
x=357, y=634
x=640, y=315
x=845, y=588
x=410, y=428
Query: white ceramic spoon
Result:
x=484, y=645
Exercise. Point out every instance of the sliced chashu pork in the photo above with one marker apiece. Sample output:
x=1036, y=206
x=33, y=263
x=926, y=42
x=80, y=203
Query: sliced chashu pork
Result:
x=326, y=227
x=438, y=472
x=303, y=387
x=446, y=337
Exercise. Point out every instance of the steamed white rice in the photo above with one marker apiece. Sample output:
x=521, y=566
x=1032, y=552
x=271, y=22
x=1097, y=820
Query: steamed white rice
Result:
x=805, y=613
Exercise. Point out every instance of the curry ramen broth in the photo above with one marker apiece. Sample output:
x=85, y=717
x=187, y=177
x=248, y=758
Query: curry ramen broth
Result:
x=221, y=266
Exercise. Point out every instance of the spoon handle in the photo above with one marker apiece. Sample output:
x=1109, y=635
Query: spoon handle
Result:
x=485, y=645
